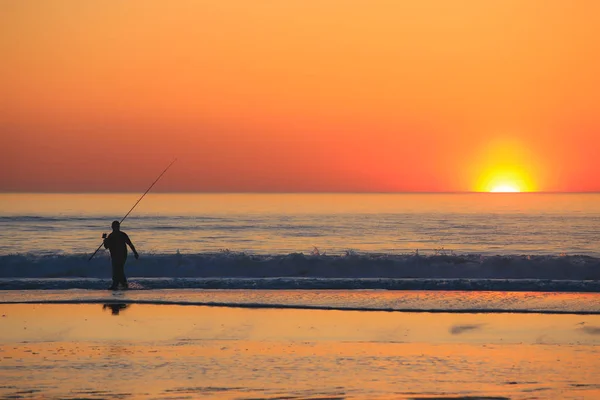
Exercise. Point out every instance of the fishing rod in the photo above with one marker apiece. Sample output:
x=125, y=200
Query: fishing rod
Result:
x=136, y=203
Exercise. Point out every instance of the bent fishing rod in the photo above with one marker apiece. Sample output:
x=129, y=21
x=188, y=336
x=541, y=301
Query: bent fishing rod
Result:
x=136, y=203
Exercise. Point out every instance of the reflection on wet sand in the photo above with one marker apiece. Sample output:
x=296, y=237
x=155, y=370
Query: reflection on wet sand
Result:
x=162, y=351
x=115, y=308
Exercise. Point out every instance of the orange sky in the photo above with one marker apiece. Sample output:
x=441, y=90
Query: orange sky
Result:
x=299, y=95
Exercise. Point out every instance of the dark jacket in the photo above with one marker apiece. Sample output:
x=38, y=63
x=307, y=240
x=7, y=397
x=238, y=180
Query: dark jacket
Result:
x=117, y=243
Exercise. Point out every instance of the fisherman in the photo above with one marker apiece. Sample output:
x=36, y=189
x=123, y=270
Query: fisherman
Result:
x=117, y=243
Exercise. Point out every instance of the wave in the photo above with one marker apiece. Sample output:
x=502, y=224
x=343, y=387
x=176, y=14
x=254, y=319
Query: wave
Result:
x=355, y=271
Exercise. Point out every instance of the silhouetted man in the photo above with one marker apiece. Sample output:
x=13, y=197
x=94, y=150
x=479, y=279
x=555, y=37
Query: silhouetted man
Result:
x=117, y=243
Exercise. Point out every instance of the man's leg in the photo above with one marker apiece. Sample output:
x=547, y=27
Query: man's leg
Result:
x=121, y=274
x=115, y=274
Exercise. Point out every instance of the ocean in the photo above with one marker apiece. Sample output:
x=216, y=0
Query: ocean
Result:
x=478, y=241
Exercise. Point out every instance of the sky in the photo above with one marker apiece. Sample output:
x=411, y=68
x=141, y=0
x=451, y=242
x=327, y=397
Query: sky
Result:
x=300, y=95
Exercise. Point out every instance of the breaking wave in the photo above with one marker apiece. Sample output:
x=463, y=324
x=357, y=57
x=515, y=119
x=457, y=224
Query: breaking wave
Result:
x=300, y=271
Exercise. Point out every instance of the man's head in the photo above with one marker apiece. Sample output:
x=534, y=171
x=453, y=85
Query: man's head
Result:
x=116, y=226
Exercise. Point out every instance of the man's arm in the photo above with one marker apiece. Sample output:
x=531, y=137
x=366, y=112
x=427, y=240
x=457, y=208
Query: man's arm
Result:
x=128, y=241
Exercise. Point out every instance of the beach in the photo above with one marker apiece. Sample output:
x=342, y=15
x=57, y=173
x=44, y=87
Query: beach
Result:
x=168, y=351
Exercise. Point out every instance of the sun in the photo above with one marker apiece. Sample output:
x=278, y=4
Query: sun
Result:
x=502, y=181
x=505, y=166
x=505, y=180
x=505, y=188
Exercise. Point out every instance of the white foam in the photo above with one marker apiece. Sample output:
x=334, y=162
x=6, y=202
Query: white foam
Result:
x=353, y=271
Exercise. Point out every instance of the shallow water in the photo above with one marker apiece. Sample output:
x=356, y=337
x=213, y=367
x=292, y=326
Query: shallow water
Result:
x=360, y=300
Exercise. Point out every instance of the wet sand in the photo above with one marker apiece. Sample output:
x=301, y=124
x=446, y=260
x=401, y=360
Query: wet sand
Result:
x=170, y=351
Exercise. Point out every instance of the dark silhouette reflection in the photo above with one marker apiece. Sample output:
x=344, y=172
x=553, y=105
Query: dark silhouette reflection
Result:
x=115, y=308
x=458, y=329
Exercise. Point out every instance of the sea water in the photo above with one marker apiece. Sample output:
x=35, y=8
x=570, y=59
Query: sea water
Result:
x=314, y=241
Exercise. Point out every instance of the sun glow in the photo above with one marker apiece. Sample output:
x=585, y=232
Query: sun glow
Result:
x=505, y=188
x=506, y=166
x=505, y=181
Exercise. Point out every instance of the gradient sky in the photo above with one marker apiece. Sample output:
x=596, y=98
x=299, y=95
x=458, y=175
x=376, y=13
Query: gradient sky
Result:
x=300, y=95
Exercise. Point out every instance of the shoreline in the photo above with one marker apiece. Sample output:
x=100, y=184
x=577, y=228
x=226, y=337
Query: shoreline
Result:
x=300, y=307
x=383, y=301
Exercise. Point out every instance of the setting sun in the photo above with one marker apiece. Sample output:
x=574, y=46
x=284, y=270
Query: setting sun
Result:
x=505, y=188
x=507, y=165
x=505, y=181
